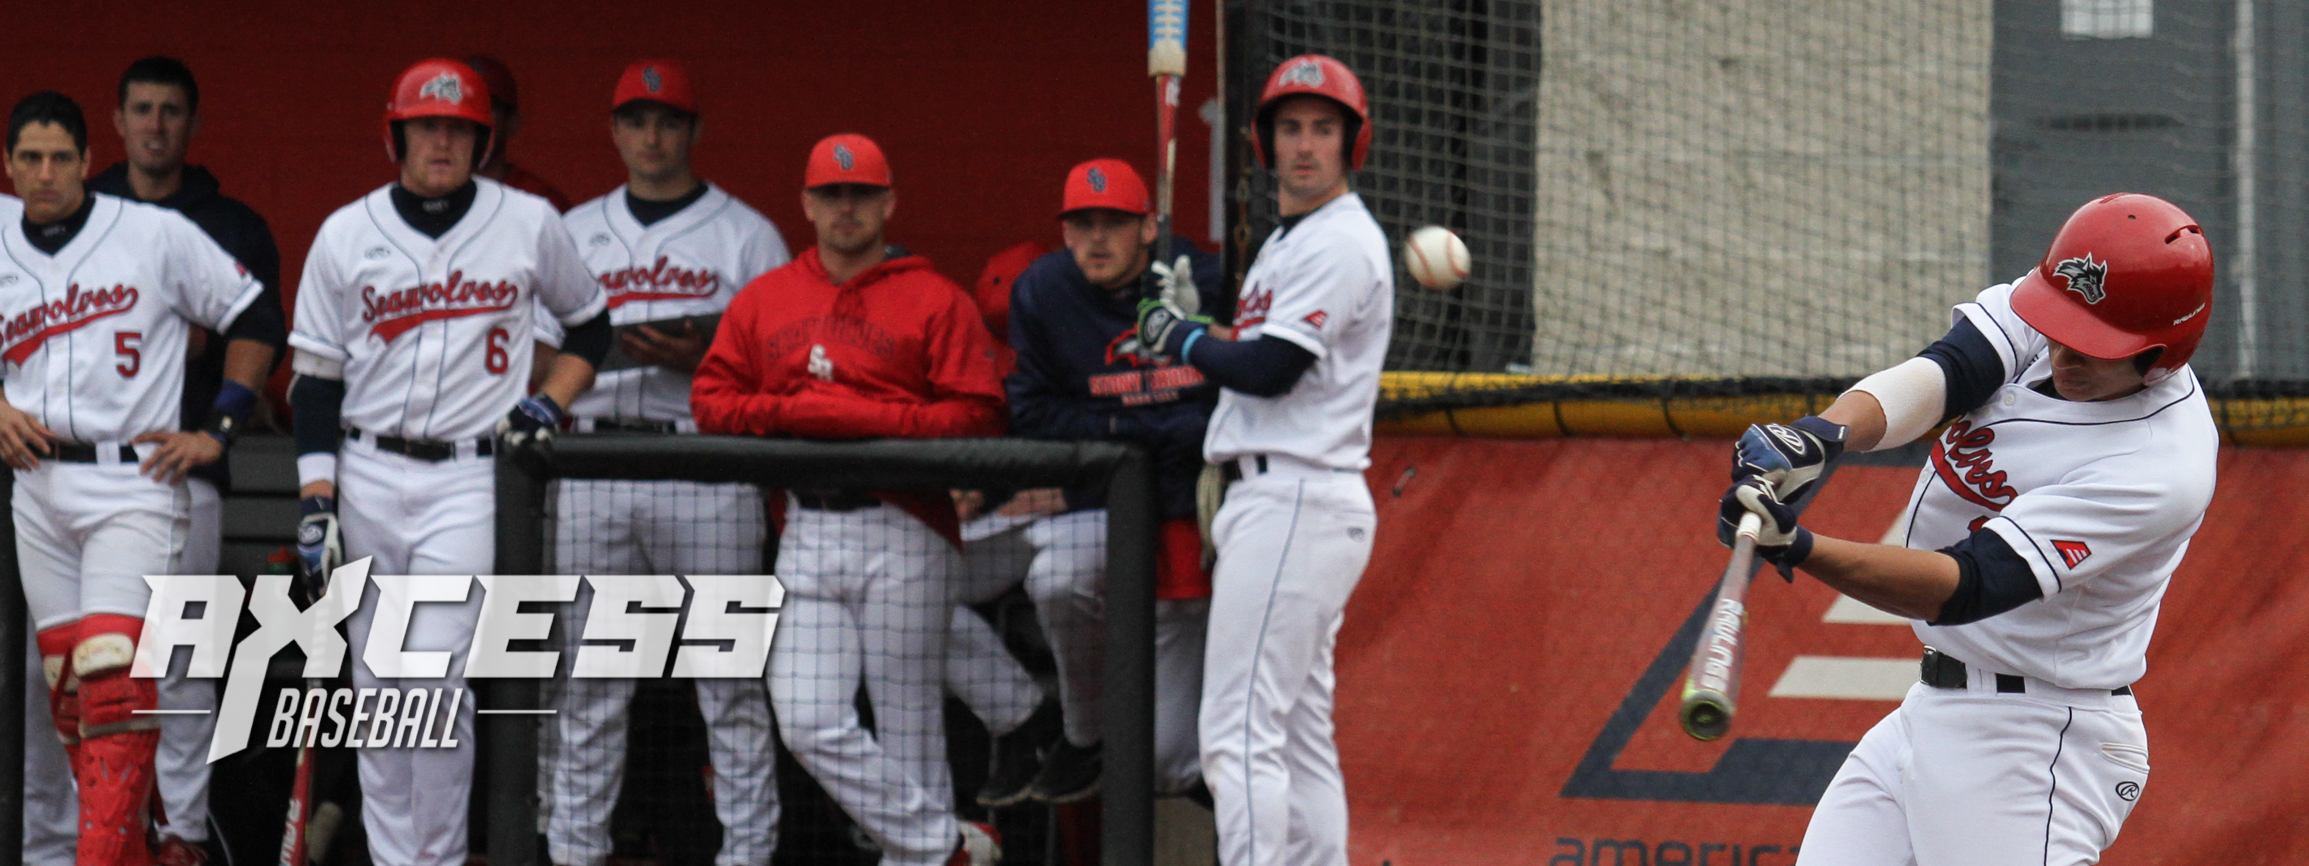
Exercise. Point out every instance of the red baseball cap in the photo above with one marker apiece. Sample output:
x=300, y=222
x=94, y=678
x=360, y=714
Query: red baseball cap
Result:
x=665, y=81
x=1105, y=183
x=846, y=158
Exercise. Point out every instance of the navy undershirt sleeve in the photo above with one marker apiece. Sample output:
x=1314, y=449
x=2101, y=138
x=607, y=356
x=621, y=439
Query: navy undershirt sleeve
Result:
x=589, y=340
x=1265, y=367
x=1991, y=579
x=261, y=322
x=317, y=419
x=1971, y=365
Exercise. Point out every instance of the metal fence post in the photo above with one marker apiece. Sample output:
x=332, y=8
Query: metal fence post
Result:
x=1127, y=831
x=510, y=741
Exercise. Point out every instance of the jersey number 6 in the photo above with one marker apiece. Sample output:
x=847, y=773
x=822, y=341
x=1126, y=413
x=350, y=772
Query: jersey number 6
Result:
x=497, y=360
x=125, y=344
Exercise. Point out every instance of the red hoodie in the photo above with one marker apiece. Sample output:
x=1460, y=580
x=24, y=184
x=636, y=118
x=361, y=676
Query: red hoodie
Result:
x=896, y=352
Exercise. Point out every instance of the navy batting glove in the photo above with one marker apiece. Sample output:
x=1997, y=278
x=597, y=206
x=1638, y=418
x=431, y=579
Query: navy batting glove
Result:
x=1780, y=541
x=535, y=417
x=320, y=549
x=1790, y=456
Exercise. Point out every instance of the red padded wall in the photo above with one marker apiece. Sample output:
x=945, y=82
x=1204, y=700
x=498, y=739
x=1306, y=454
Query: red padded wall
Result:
x=981, y=106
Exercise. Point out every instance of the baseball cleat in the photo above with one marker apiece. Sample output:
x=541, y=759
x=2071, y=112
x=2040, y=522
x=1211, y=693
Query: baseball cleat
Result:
x=1070, y=774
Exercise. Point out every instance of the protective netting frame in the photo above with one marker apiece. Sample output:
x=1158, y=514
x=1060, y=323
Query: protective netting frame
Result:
x=1816, y=182
x=1452, y=89
x=1126, y=473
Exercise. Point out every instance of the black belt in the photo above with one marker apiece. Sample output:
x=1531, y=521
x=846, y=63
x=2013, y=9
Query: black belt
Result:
x=1943, y=671
x=1233, y=469
x=834, y=500
x=632, y=425
x=83, y=452
x=428, y=450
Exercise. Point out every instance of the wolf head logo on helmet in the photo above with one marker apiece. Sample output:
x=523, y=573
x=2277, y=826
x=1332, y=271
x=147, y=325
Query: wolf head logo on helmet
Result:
x=444, y=87
x=1307, y=73
x=2085, y=277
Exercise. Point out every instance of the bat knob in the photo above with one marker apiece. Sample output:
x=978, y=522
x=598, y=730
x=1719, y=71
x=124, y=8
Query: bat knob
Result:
x=1706, y=720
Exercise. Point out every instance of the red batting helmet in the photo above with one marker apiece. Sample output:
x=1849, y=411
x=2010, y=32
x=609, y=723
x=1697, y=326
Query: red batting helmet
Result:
x=1315, y=75
x=2128, y=273
x=438, y=87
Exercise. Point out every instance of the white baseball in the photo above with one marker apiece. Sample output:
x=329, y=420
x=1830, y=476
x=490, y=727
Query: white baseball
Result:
x=1437, y=258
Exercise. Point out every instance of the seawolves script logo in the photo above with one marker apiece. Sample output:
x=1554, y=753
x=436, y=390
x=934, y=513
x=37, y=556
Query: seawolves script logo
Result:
x=391, y=314
x=2086, y=277
x=658, y=282
x=1962, y=458
x=24, y=332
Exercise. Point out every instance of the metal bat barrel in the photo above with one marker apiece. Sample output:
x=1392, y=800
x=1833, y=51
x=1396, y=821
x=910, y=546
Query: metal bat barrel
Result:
x=1712, y=688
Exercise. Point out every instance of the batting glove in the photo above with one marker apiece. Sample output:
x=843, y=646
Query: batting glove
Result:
x=319, y=547
x=1779, y=541
x=533, y=419
x=1789, y=456
x=1163, y=329
x=1175, y=285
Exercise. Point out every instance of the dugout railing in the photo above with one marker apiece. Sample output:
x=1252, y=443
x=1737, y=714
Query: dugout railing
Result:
x=1125, y=472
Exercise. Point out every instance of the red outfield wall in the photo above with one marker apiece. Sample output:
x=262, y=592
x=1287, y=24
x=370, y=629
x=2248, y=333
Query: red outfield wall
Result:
x=1510, y=665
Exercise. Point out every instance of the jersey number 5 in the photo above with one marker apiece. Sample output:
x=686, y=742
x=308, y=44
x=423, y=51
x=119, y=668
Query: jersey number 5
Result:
x=497, y=360
x=125, y=344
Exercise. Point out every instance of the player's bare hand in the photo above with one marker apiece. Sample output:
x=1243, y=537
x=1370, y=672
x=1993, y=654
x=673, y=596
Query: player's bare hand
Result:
x=23, y=439
x=680, y=352
x=178, y=454
x=1034, y=503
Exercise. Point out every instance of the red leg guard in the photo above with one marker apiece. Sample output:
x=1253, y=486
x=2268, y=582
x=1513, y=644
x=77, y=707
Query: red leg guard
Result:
x=117, y=744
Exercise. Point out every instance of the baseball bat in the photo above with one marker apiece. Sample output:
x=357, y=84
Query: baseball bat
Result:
x=1712, y=688
x=300, y=802
x=1166, y=61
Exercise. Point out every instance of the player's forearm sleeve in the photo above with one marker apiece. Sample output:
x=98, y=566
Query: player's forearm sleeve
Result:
x=316, y=409
x=1991, y=579
x=1970, y=365
x=1265, y=367
x=590, y=340
x=1911, y=394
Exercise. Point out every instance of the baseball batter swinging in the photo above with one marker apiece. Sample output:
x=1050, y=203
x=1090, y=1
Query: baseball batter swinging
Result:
x=1299, y=379
x=413, y=343
x=101, y=295
x=2077, y=461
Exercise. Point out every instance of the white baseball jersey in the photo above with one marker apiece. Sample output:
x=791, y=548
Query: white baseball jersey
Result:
x=93, y=339
x=2099, y=499
x=1327, y=286
x=435, y=334
x=689, y=264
